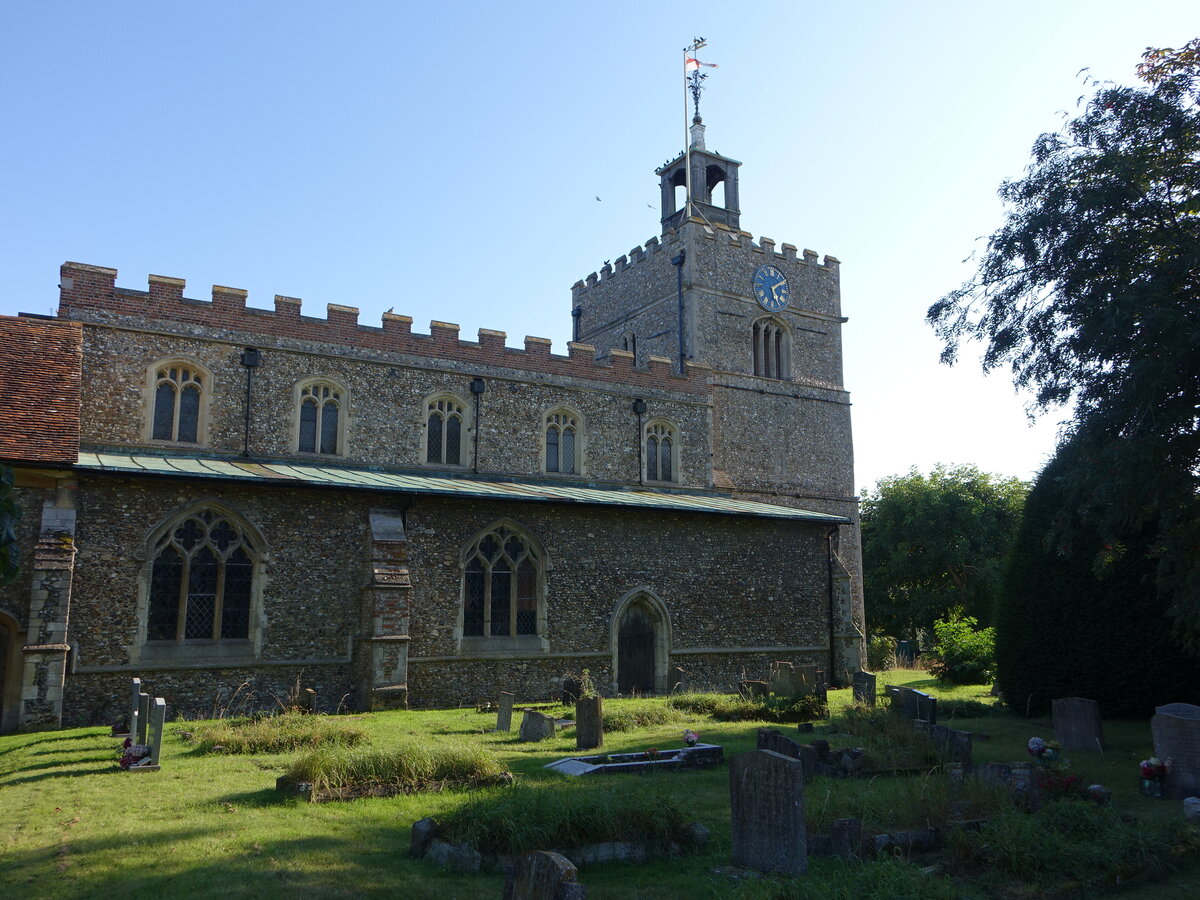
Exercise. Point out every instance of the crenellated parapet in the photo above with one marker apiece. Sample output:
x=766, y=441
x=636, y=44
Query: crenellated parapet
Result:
x=90, y=292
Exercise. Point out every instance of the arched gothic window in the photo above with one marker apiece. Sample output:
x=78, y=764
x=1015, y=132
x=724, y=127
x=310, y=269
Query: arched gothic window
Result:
x=662, y=452
x=201, y=580
x=772, y=350
x=178, y=390
x=562, y=442
x=444, y=418
x=501, y=585
x=321, y=418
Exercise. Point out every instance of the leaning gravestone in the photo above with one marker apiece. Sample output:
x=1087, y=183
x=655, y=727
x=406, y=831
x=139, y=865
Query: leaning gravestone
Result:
x=504, y=712
x=158, y=715
x=143, y=725
x=535, y=726
x=572, y=688
x=783, y=680
x=542, y=875
x=766, y=793
x=864, y=688
x=1077, y=723
x=1176, y=730
x=589, y=723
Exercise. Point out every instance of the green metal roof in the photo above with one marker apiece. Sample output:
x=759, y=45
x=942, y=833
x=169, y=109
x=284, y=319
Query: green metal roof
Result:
x=364, y=479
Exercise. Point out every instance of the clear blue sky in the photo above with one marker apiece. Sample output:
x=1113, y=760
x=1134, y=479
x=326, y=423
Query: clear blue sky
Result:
x=444, y=160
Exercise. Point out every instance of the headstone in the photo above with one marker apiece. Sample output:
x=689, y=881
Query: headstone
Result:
x=504, y=712
x=956, y=772
x=783, y=679
x=535, y=726
x=902, y=701
x=926, y=707
x=572, y=688
x=808, y=680
x=306, y=702
x=589, y=723
x=1024, y=784
x=770, y=739
x=940, y=735
x=542, y=875
x=423, y=832
x=864, y=688
x=1077, y=723
x=158, y=716
x=134, y=705
x=143, y=724
x=845, y=837
x=766, y=792
x=960, y=747
x=1176, y=730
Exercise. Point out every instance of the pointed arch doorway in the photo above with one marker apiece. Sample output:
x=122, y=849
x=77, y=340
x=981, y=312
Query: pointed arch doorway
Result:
x=10, y=673
x=640, y=644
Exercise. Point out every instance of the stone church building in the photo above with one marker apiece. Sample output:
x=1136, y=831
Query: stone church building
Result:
x=216, y=495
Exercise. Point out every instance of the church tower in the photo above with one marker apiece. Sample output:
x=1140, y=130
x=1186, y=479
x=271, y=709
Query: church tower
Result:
x=766, y=322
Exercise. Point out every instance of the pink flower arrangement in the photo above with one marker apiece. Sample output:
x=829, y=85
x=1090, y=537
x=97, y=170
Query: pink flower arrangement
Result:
x=690, y=737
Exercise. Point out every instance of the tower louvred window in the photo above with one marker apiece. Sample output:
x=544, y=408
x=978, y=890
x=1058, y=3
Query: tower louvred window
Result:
x=771, y=350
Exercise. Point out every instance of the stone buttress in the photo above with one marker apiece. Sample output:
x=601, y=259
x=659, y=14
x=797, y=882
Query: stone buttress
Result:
x=383, y=649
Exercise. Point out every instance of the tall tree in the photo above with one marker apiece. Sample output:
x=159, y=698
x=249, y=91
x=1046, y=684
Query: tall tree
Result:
x=1090, y=294
x=933, y=544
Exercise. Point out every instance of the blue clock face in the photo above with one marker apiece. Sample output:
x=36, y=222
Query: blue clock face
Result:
x=771, y=289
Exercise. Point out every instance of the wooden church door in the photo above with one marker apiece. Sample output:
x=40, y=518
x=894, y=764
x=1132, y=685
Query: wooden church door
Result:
x=635, y=652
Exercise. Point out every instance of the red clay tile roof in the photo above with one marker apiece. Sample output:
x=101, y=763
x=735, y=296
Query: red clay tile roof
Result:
x=40, y=364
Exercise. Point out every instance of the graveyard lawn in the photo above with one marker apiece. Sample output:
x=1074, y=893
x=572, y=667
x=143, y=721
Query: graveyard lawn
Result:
x=207, y=825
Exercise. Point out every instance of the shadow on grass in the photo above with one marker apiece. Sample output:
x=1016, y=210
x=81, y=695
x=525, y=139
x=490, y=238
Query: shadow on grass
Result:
x=259, y=799
x=70, y=773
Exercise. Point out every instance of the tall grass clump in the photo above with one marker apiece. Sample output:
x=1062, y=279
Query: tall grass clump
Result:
x=1071, y=844
x=284, y=733
x=404, y=768
x=736, y=708
x=885, y=878
x=890, y=740
x=887, y=804
x=532, y=817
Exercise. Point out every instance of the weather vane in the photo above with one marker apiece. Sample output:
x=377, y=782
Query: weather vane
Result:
x=695, y=78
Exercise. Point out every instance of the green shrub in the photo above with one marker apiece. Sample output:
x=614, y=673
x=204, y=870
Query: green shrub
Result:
x=961, y=654
x=881, y=652
x=406, y=768
x=277, y=734
x=537, y=817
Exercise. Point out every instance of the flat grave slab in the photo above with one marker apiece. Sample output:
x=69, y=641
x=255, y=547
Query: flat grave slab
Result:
x=699, y=756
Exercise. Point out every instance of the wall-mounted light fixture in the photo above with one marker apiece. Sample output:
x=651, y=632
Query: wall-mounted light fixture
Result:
x=251, y=359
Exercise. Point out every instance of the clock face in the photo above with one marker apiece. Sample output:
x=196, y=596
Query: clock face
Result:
x=771, y=289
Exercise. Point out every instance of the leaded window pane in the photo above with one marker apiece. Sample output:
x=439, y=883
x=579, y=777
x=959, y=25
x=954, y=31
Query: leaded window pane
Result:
x=433, y=451
x=526, y=598
x=163, y=618
x=665, y=466
x=473, y=600
x=568, y=452
x=551, y=449
x=202, y=595
x=235, y=601
x=454, y=441
x=501, y=598
x=164, y=411
x=652, y=458
x=308, y=426
x=189, y=413
x=329, y=428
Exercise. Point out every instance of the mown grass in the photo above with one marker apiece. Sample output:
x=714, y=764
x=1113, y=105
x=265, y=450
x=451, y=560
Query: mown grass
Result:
x=406, y=767
x=211, y=825
x=276, y=734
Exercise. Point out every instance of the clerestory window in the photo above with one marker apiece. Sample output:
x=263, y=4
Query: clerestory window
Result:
x=562, y=442
x=202, y=580
x=178, y=402
x=321, y=418
x=445, y=418
x=661, y=452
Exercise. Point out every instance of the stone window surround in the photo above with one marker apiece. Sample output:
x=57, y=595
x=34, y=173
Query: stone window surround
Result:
x=343, y=415
x=487, y=645
x=763, y=359
x=233, y=651
x=673, y=431
x=466, y=444
x=580, y=425
x=151, y=390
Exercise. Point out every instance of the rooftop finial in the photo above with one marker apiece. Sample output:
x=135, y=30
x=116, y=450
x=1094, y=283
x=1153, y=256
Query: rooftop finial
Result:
x=695, y=78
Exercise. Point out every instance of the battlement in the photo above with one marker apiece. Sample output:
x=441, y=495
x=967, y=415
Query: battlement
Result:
x=715, y=232
x=85, y=289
